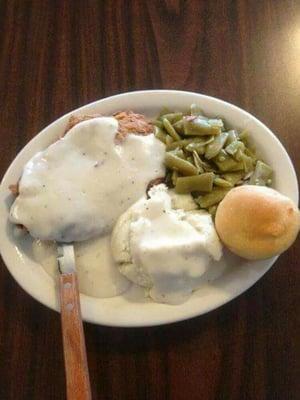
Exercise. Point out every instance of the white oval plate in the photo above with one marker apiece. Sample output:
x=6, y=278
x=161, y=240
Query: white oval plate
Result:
x=132, y=309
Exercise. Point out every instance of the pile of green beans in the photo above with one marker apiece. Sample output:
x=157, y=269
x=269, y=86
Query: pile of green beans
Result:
x=206, y=159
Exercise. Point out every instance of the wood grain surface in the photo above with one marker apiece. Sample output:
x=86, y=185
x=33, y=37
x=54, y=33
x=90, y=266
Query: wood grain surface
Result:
x=56, y=55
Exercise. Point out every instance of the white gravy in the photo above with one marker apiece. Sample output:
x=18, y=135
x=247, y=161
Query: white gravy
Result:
x=97, y=273
x=78, y=187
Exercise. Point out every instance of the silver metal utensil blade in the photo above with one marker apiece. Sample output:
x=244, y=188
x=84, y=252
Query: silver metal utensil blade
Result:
x=66, y=258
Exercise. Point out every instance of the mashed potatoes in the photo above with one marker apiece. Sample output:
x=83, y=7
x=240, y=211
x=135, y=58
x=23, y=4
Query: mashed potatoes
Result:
x=164, y=250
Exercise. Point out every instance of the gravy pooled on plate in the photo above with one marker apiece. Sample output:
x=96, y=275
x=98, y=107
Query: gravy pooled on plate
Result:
x=98, y=275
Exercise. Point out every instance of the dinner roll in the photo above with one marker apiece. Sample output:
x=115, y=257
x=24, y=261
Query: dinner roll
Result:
x=256, y=222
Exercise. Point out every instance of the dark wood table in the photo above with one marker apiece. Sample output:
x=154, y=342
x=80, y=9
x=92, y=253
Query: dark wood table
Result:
x=56, y=55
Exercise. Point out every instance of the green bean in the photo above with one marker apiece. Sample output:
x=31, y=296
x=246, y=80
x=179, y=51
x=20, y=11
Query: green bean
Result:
x=232, y=136
x=169, y=140
x=248, y=163
x=234, y=146
x=169, y=128
x=179, y=143
x=238, y=155
x=261, y=175
x=215, y=147
x=178, y=126
x=197, y=161
x=172, y=117
x=233, y=177
x=206, y=166
x=157, y=123
x=196, y=110
x=222, y=183
x=160, y=134
x=244, y=136
x=179, y=153
x=200, y=183
x=199, y=144
x=227, y=164
x=209, y=140
x=250, y=153
x=216, y=122
x=174, y=177
x=182, y=166
x=212, y=198
x=185, y=142
x=196, y=126
x=163, y=111
x=198, y=147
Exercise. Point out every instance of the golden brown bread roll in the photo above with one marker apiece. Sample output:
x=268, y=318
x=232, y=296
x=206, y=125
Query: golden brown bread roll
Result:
x=257, y=222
